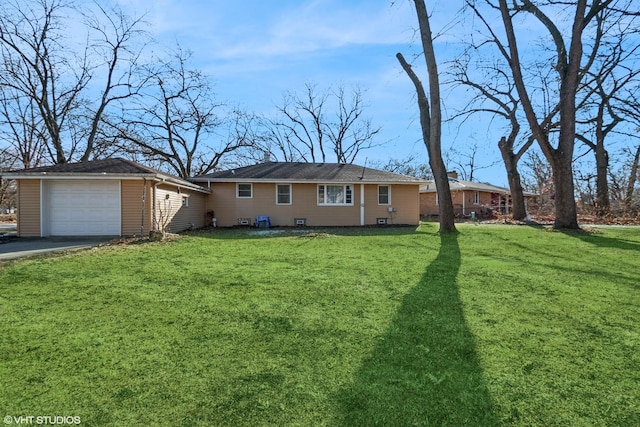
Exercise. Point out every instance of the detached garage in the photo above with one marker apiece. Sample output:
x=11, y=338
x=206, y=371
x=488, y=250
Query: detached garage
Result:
x=112, y=197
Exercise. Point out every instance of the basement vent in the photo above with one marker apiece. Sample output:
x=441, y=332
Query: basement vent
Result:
x=300, y=222
x=382, y=221
x=244, y=221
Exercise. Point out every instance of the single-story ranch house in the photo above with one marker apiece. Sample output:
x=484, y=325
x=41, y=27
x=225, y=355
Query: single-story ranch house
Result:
x=468, y=197
x=120, y=197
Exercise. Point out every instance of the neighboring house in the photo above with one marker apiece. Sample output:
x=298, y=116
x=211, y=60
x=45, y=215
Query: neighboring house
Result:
x=112, y=197
x=120, y=197
x=313, y=194
x=481, y=199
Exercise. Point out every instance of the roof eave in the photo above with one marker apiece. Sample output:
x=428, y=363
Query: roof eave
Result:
x=105, y=175
x=302, y=181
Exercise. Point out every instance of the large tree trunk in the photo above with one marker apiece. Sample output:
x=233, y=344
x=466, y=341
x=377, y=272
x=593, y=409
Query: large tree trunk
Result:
x=564, y=200
x=519, y=210
x=633, y=176
x=603, y=205
x=431, y=119
x=568, y=68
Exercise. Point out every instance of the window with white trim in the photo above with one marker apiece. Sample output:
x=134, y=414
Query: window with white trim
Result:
x=185, y=201
x=476, y=197
x=335, y=195
x=244, y=191
x=384, y=195
x=283, y=194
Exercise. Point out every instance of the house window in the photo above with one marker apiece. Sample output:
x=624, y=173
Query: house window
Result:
x=335, y=195
x=476, y=197
x=283, y=194
x=185, y=202
x=384, y=195
x=245, y=191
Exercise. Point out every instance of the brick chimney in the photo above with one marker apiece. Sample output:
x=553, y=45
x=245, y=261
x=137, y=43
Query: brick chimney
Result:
x=452, y=174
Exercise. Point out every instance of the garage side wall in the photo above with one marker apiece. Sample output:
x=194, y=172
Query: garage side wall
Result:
x=137, y=201
x=29, y=207
x=178, y=209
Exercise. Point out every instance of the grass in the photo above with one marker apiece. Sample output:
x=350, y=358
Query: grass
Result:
x=494, y=326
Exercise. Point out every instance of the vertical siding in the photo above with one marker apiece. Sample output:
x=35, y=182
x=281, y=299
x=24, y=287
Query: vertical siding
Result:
x=136, y=207
x=170, y=211
x=29, y=207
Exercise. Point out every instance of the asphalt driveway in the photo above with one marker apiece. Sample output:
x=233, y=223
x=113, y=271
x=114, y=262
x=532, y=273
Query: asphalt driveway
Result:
x=15, y=247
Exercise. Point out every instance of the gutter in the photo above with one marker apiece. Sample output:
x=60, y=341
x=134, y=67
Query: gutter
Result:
x=210, y=181
x=104, y=176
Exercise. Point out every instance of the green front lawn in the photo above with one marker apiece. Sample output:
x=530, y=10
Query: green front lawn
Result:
x=498, y=325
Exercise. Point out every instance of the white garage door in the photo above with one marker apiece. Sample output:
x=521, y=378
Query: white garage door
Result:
x=84, y=208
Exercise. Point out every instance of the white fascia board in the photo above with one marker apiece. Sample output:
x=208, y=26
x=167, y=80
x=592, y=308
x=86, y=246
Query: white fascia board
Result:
x=301, y=181
x=107, y=176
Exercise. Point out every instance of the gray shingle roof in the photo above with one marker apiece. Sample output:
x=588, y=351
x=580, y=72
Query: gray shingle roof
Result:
x=304, y=172
x=110, y=166
x=460, y=185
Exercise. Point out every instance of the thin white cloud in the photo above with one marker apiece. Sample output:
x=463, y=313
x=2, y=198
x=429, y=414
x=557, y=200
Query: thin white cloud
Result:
x=325, y=24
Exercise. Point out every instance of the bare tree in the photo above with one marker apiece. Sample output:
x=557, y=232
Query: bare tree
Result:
x=176, y=119
x=634, y=176
x=320, y=124
x=567, y=67
x=8, y=188
x=537, y=177
x=431, y=118
x=409, y=166
x=625, y=195
x=465, y=160
x=495, y=95
x=41, y=66
x=118, y=60
x=603, y=101
x=21, y=130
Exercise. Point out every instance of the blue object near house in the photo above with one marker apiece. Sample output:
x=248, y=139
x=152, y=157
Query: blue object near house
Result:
x=262, y=219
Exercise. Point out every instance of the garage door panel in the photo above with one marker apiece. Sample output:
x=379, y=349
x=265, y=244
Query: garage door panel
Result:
x=84, y=208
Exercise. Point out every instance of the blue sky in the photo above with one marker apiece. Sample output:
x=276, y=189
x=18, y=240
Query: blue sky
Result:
x=256, y=50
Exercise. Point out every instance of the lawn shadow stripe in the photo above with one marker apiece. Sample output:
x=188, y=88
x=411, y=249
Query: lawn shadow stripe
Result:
x=593, y=237
x=425, y=371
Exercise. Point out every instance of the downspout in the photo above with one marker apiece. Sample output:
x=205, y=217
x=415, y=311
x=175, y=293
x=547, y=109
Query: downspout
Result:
x=464, y=197
x=361, y=204
x=42, y=210
x=155, y=202
x=144, y=197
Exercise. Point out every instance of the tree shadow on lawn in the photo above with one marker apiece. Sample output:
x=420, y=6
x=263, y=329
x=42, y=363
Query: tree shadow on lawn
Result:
x=593, y=237
x=425, y=371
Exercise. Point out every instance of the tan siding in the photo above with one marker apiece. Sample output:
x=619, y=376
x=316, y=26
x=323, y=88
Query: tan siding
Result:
x=405, y=202
x=29, y=208
x=228, y=208
x=136, y=207
x=170, y=210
